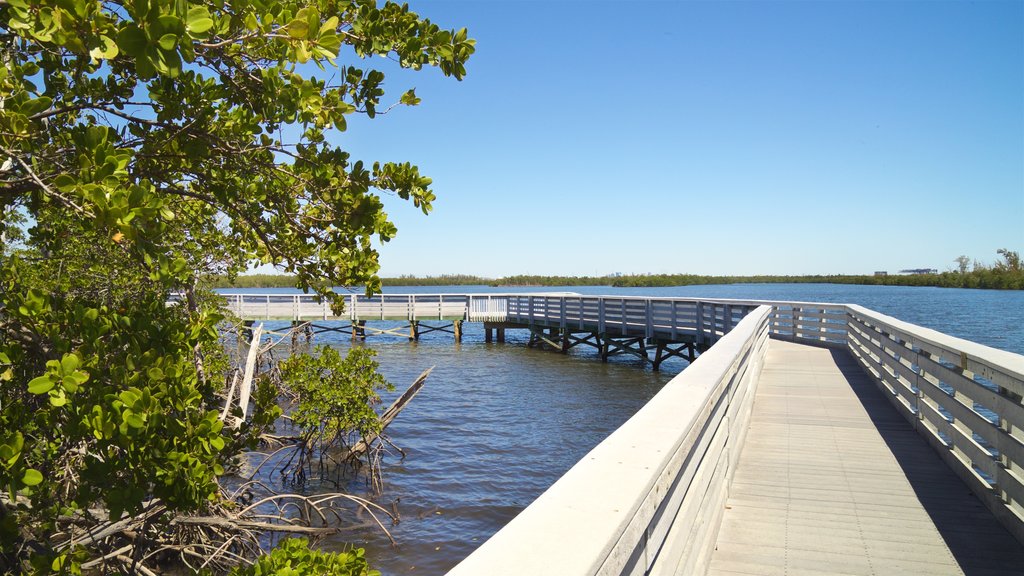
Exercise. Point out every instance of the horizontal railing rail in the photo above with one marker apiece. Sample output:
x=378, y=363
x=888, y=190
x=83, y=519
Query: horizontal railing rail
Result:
x=649, y=498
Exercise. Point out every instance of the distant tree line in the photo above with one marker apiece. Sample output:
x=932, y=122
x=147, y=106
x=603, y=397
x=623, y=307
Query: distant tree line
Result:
x=1005, y=274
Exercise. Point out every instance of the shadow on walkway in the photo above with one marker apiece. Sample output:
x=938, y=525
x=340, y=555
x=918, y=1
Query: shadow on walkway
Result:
x=978, y=542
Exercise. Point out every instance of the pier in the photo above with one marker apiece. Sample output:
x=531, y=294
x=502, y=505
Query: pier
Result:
x=653, y=329
x=804, y=438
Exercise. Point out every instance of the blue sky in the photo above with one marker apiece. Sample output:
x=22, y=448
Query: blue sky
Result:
x=711, y=138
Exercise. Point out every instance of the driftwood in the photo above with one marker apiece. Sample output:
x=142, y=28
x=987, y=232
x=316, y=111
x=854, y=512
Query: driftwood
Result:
x=250, y=364
x=390, y=414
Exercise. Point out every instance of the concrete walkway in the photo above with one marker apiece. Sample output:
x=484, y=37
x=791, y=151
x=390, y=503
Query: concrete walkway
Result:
x=832, y=480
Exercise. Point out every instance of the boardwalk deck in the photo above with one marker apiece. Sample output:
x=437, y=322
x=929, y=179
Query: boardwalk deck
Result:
x=832, y=480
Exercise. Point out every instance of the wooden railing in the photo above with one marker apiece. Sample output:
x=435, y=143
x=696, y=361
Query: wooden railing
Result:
x=964, y=398
x=357, y=307
x=649, y=498
x=668, y=318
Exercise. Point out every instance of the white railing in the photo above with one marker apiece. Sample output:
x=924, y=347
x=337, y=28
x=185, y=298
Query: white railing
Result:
x=963, y=397
x=649, y=498
x=377, y=307
x=668, y=318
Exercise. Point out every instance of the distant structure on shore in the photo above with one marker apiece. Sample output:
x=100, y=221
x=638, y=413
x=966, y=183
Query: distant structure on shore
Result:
x=918, y=271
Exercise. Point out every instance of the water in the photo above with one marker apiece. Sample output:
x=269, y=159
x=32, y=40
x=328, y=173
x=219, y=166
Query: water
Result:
x=496, y=424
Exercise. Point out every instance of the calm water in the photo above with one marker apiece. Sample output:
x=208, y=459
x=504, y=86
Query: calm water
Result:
x=496, y=424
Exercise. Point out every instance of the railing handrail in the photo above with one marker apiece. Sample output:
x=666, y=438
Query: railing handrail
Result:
x=1002, y=367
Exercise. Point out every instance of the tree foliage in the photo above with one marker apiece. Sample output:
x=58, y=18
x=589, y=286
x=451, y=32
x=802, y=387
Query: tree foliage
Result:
x=1005, y=274
x=336, y=396
x=292, y=557
x=335, y=399
x=144, y=146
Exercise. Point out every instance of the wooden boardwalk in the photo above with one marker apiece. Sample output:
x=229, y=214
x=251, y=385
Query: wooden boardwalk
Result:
x=832, y=480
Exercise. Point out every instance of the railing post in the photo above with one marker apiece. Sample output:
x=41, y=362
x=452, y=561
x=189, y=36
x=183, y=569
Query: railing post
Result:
x=700, y=322
x=600, y=316
x=561, y=303
x=650, y=320
x=530, y=308
x=411, y=307
x=268, y=307
x=622, y=317
x=675, y=315
x=352, y=314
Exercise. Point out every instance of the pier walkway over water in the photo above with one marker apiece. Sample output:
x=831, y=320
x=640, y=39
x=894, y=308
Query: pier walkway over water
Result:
x=831, y=479
x=806, y=438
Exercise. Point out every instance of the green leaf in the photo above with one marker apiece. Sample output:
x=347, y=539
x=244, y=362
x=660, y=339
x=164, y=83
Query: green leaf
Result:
x=70, y=384
x=40, y=385
x=69, y=363
x=329, y=26
x=132, y=40
x=57, y=398
x=168, y=41
x=198, y=20
x=200, y=25
x=106, y=51
x=298, y=29
x=168, y=24
x=410, y=99
x=32, y=477
x=133, y=419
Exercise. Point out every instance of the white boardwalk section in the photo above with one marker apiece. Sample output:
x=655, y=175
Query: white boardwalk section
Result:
x=869, y=446
x=832, y=480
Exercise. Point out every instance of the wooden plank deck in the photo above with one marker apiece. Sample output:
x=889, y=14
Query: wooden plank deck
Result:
x=832, y=480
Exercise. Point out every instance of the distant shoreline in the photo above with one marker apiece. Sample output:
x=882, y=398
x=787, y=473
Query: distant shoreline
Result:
x=985, y=278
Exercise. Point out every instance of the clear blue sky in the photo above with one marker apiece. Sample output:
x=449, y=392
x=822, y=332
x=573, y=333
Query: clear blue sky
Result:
x=712, y=138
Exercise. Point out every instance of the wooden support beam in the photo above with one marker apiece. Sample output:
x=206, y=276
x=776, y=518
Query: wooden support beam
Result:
x=572, y=340
x=538, y=336
x=616, y=346
x=457, y=325
x=665, y=351
x=423, y=328
x=414, y=330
